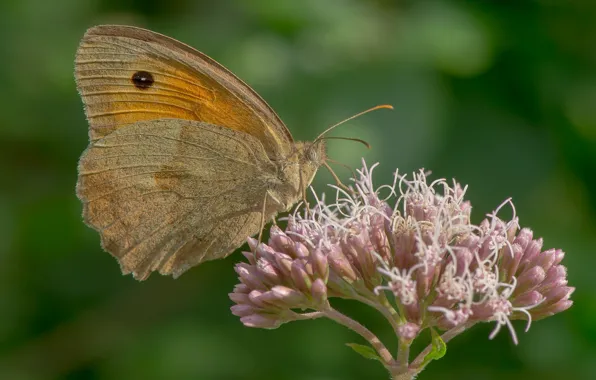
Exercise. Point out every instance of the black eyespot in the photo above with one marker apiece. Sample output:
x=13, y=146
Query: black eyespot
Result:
x=142, y=80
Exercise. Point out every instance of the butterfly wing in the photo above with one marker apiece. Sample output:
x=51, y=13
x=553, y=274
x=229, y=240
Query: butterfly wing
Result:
x=126, y=74
x=169, y=194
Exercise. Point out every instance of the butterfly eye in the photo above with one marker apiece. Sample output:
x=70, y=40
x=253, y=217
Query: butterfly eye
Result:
x=142, y=80
x=312, y=155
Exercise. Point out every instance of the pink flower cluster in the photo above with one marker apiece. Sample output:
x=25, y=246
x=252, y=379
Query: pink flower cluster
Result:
x=407, y=249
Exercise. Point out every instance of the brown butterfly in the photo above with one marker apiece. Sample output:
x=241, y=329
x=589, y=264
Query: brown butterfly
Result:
x=185, y=160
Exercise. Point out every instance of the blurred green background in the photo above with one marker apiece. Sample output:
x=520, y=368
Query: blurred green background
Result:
x=498, y=94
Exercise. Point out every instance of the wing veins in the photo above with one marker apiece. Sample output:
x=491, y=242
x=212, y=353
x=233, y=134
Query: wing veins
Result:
x=197, y=145
x=145, y=101
x=112, y=92
x=151, y=155
x=111, y=113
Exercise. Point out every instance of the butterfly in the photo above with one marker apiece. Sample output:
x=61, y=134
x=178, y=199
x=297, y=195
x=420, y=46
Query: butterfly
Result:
x=185, y=160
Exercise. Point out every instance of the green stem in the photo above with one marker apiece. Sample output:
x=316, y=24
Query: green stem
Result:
x=403, y=376
x=312, y=315
x=447, y=336
x=403, y=355
x=384, y=308
x=355, y=326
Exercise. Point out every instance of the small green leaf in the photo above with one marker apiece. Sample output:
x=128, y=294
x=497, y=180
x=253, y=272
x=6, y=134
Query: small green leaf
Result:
x=439, y=348
x=365, y=351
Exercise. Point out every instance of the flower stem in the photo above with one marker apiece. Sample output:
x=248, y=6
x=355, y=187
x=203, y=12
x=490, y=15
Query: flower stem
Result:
x=312, y=315
x=355, y=326
x=403, y=376
x=447, y=336
x=385, y=308
x=403, y=354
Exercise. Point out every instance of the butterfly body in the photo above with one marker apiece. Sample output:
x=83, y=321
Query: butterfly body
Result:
x=185, y=160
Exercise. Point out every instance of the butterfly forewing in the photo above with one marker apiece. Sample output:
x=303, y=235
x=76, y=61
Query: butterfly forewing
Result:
x=182, y=83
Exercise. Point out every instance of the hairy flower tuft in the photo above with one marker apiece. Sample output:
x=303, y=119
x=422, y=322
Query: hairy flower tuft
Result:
x=409, y=250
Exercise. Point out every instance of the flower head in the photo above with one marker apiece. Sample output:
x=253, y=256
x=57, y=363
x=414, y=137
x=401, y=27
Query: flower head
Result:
x=413, y=254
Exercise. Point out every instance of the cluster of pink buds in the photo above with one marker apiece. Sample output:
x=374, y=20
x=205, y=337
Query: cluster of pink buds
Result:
x=410, y=251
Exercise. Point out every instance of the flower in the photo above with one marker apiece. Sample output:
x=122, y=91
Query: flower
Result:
x=413, y=254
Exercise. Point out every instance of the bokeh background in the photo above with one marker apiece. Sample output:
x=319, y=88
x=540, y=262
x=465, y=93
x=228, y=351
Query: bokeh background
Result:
x=498, y=94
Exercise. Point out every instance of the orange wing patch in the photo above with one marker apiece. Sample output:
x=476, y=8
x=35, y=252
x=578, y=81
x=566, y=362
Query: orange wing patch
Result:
x=124, y=80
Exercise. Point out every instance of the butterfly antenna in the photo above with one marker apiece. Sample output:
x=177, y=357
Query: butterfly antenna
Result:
x=366, y=144
x=353, y=117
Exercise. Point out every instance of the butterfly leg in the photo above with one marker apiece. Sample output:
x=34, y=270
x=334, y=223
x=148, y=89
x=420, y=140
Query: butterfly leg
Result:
x=336, y=178
x=306, y=205
x=262, y=226
x=303, y=191
x=264, y=211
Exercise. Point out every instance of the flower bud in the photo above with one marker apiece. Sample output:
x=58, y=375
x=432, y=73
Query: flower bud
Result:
x=319, y=292
x=320, y=264
x=528, y=299
x=301, y=279
x=340, y=265
x=529, y=280
x=408, y=331
x=243, y=310
x=261, y=321
x=249, y=276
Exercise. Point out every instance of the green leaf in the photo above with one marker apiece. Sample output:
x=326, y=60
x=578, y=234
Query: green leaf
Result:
x=365, y=351
x=439, y=348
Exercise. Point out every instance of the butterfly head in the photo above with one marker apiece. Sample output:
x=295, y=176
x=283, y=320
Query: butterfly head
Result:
x=315, y=152
x=311, y=155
